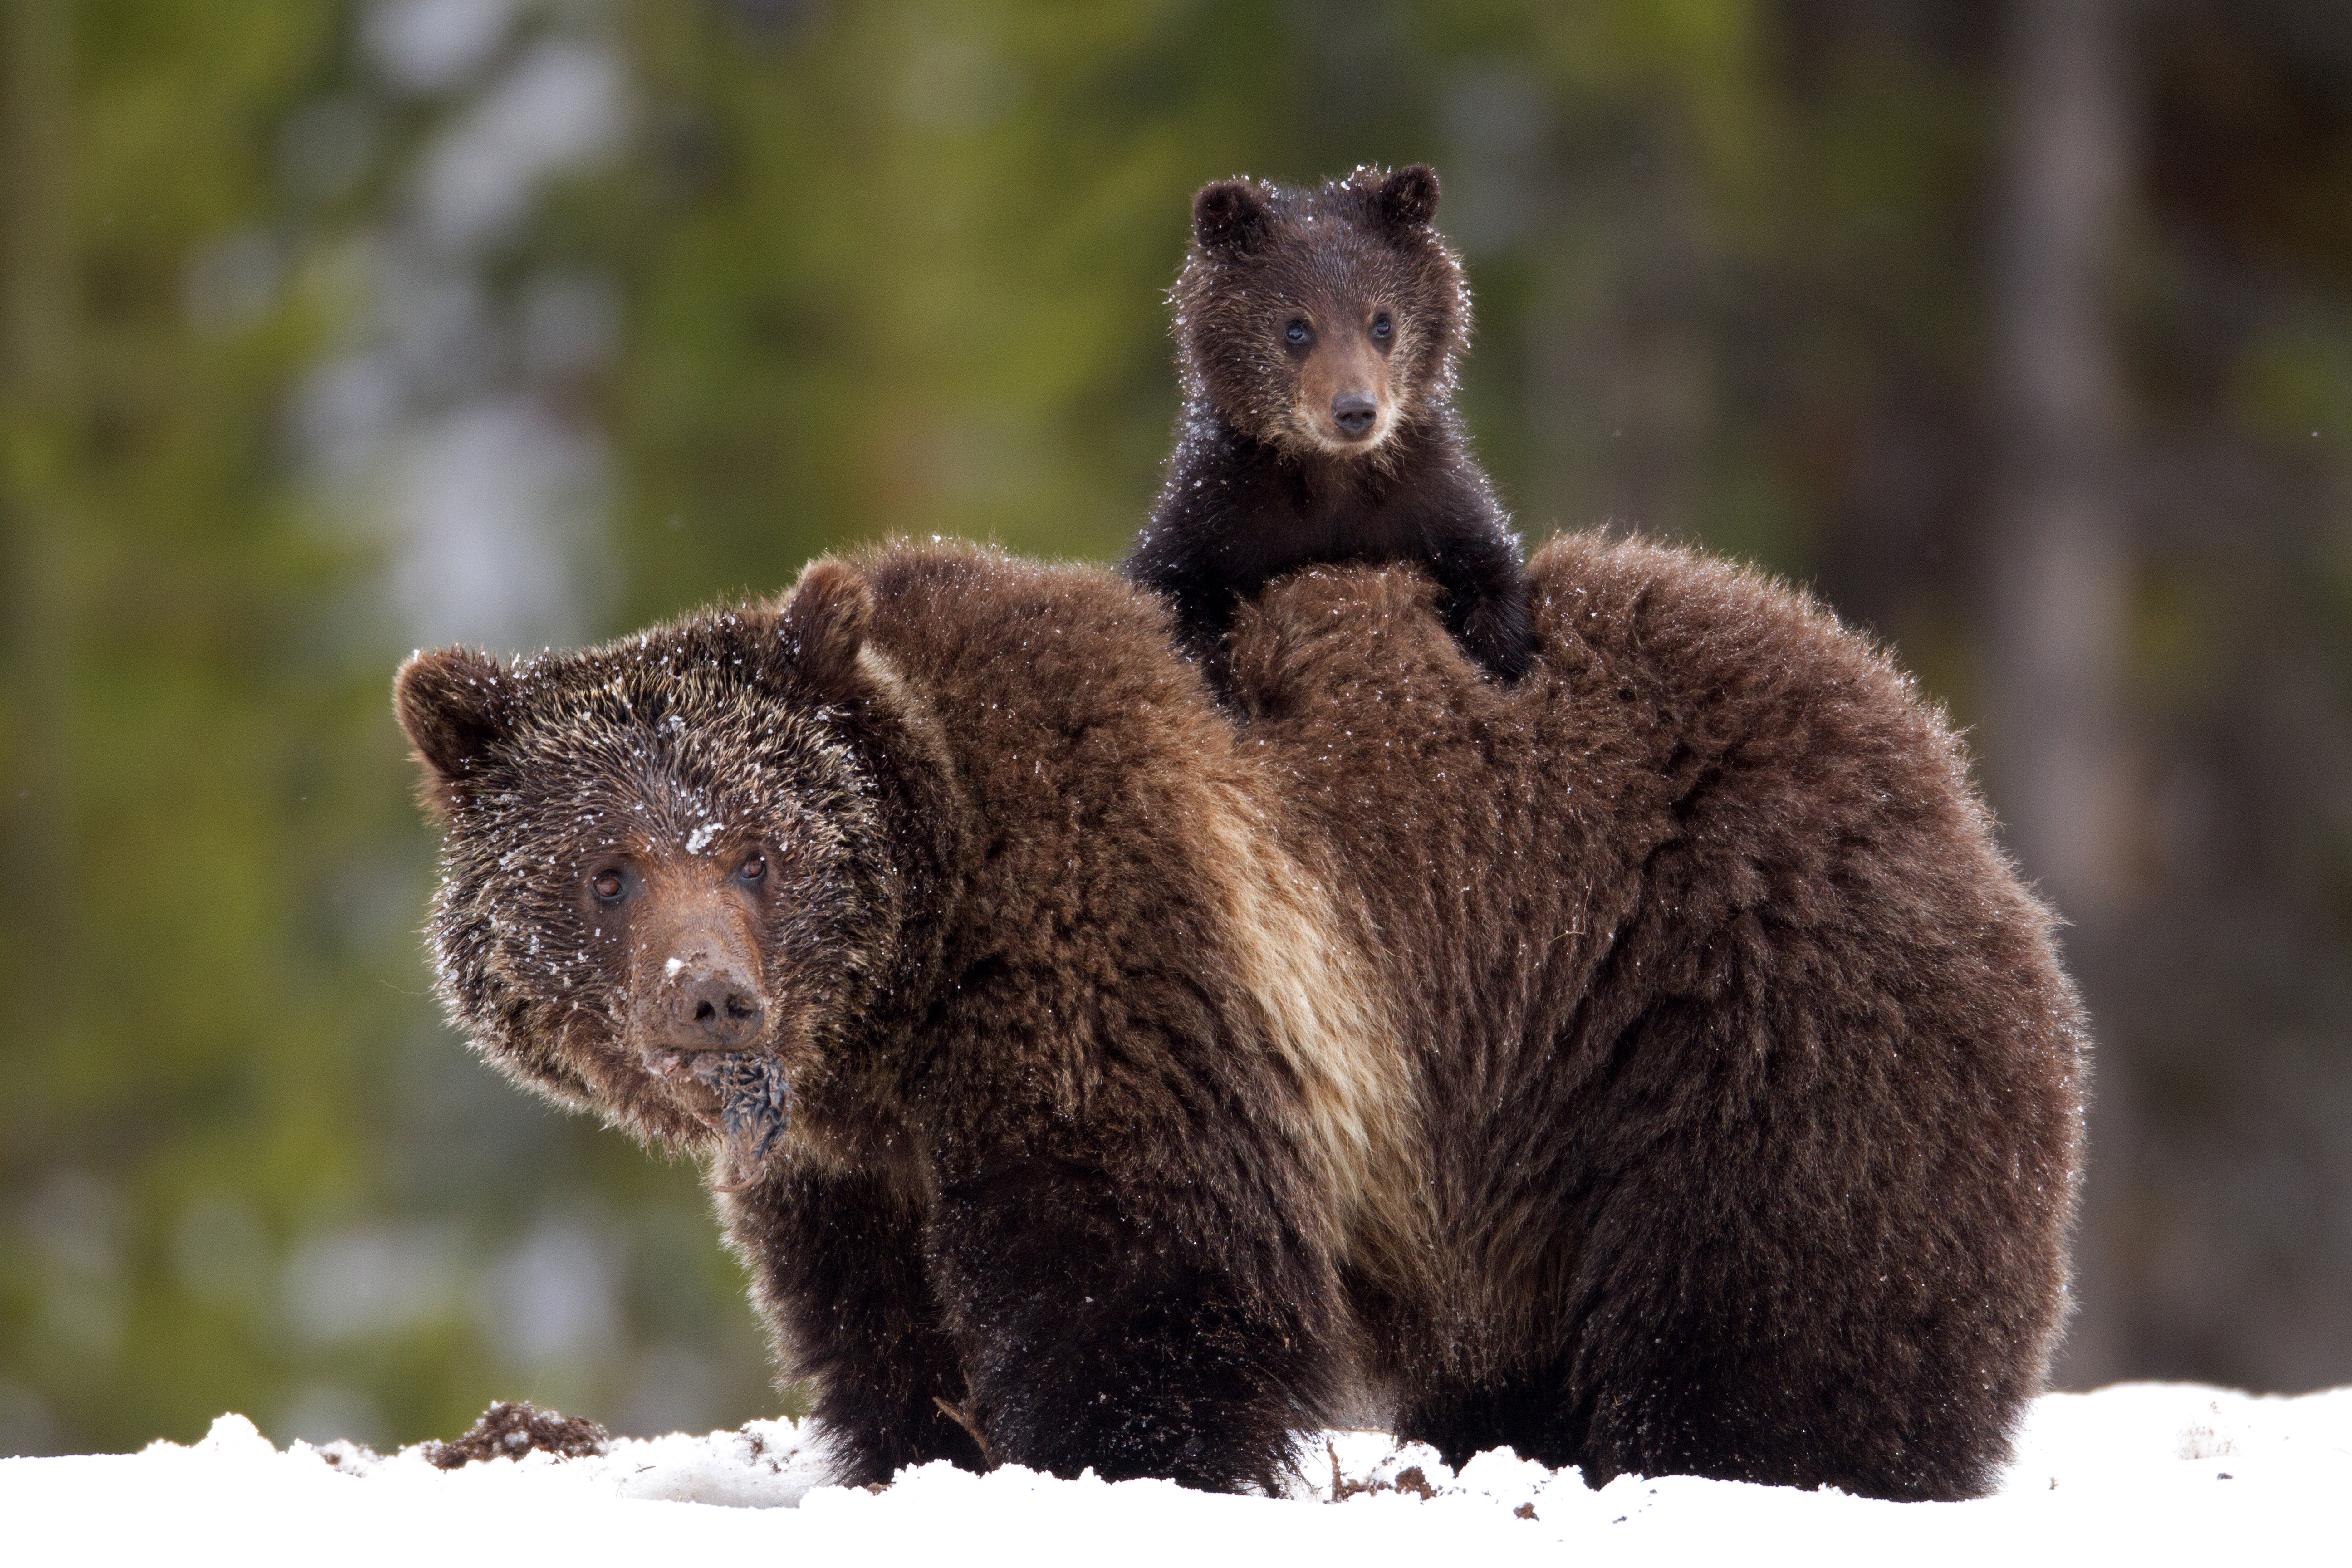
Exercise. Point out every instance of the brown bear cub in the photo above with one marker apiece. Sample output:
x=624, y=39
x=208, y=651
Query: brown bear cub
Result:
x=1319, y=331
x=1653, y=1065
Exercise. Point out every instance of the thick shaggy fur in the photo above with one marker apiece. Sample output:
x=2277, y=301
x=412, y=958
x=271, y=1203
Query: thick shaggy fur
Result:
x=1653, y=1066
x=1318, y=332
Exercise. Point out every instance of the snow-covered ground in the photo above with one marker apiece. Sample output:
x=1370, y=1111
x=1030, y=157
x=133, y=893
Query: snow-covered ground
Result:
x=2138, y=1473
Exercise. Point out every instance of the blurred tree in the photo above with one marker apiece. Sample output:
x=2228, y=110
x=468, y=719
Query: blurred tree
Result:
x=2234, y=1238
x=35, y=387
x=243, y=1167
x=146, y=740
x=2058, y=574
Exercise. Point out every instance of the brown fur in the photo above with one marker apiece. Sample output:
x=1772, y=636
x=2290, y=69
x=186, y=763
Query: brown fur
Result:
x=1653, y=1065
x=1319, y=332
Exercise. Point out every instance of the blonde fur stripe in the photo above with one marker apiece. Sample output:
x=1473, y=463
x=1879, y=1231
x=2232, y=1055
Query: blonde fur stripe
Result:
x=1336, y=1027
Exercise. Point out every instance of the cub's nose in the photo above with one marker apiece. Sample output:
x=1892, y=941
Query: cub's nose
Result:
x=1355, y=412
x=712, y=1008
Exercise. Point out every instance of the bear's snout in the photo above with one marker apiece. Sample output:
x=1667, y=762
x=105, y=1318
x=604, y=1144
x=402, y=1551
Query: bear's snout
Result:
x=1354, y=412
x=1343, y=398
x=709, y=1007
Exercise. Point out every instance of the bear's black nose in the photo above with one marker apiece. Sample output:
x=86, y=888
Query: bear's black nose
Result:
x=1355, y=412
x=713, y=1007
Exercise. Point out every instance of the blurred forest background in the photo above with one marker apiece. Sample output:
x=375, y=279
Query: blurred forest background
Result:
x=328, y=327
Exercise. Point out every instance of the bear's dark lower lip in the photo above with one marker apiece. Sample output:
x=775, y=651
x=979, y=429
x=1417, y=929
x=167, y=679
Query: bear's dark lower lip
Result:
x=745, y=1096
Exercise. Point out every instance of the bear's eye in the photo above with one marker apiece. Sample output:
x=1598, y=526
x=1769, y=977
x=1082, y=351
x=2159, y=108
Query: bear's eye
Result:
x=755, y=867
x=1298, y=335
x=1383, y=328
x=606, y=886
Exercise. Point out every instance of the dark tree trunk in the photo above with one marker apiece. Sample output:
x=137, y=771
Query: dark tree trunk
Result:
x=2054, y=609
x=37, y=434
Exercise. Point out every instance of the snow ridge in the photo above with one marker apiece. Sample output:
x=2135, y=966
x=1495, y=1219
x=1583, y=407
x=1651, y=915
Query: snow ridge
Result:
x=2150, y=1472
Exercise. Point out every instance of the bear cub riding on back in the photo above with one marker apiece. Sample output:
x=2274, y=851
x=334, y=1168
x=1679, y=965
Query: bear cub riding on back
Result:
x=1317, y=334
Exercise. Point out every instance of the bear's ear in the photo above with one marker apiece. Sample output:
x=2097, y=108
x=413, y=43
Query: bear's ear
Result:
x=824, y=621
x=454, y=703
x=1408, y=198
x=1229, y=216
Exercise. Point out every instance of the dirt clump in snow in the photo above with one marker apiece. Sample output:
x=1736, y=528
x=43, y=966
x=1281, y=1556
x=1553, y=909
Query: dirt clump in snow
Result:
x=511, y=1429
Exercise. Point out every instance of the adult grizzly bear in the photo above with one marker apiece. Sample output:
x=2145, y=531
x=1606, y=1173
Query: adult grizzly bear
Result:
x=1319, y=331
x=1653, y=1065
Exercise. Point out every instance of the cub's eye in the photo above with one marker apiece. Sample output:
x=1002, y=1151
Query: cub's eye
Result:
x=1383, y=328
x=755, y=867
x=1298, y=335
x=606, y=886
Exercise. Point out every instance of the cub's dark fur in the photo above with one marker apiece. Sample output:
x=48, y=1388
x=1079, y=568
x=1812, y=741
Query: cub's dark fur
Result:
x=1319, y=331
x=1653, y=1065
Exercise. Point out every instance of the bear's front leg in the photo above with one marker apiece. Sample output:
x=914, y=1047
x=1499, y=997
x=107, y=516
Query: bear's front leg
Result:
x=1486, y=604
x=1204, y=614
x=838, y=1269
x=1104, y=1329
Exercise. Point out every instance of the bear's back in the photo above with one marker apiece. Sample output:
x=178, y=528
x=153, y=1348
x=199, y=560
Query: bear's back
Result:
x=1734, y=1027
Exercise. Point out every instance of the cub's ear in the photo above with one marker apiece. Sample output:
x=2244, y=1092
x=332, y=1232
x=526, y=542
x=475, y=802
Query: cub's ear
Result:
x=824, y=621
x=1408, y=198
x=1230, y=215
x=454, y=703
